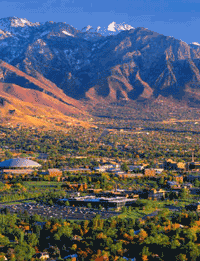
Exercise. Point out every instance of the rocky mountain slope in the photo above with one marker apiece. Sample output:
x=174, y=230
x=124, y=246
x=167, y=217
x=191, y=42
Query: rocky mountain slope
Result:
x=134, y=64
x=32, y=108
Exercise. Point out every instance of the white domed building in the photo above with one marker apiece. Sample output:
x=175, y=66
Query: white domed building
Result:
x=19, y=163
x=18, y=166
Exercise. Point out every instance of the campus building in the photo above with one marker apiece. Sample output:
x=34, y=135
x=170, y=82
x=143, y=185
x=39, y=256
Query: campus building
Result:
x=106, y=202
x=18, y=166
x=19, y=163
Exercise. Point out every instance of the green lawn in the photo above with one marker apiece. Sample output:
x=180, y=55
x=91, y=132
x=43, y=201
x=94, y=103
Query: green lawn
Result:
x=135, y=214
x=23, y=201
x=150, y=206
x=41, y=183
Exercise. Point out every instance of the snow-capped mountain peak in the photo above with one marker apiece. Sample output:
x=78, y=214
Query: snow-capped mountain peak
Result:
x=22, y=22
x=114, y=27
x=98, y=28
x=87, y=28
x=10, y=22
x=195, y=43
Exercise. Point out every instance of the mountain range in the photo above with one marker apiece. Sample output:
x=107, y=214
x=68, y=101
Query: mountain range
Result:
x=53, y=65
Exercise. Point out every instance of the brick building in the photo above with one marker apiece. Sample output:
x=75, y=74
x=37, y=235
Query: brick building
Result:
x=149, y=172
x=54, y=173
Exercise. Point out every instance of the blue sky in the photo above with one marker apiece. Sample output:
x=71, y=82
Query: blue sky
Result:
x=178, y=18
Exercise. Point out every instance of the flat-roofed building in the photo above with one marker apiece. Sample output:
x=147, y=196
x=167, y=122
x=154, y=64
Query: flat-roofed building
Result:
x=77, y=170
x=192, y=165
x=173, y=184
x=54, y=172
x=152, y=194
x=135, y=167
x=159, y=171
x=18, y=171
x=149, y=172
x=107, y=202
x=193, y=177
x=178, y=178
x=128, y=175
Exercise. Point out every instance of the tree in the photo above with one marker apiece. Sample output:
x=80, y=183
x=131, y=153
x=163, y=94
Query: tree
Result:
x=175, y=244
x=24, y=252
x=124, y=209
x=192, y=248
x=51, y=202
x=181, y=257
x=197, y=183
x=8, y=154
x=4, y=241
x=185, y=193
x=32, y=239
x=89, y=205
x=145, y=253
x=124, y=167
x=161, y=181
x=67, y=203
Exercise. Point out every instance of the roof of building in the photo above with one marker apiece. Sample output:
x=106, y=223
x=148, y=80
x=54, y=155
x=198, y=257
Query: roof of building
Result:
x=52, y=170
x=19, y=163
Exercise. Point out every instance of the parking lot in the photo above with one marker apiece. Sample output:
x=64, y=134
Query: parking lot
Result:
x=56, y=211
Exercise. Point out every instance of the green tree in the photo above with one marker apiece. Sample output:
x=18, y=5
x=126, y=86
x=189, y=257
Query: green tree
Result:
x=67, y=203
x=181, y=257
x=32, y=239
x=124, y=167
x=124, y=209
x=8, y=154
x=161, y=181
x=197, y=183
x=89, y=205
x=185, y=193
x=24, y=252
x=4, y=241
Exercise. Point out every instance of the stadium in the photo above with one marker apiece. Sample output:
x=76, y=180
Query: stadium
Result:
x=18, y=165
